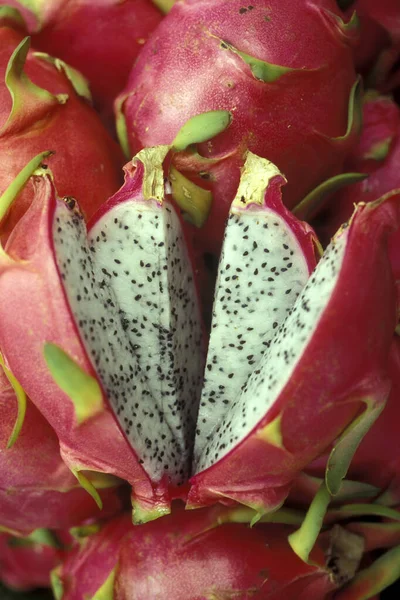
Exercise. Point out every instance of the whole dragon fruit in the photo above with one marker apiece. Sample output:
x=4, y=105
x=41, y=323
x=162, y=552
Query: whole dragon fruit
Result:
x=153, y=357
x=41, y=109
x=190, y=555
x=281, y=75
x=101, y=39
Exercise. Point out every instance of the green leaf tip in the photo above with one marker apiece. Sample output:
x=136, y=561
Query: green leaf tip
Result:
x=345, y=448
x=11, y=15
x=106, y=591
x=10, y=194
x=121, y=126
x=201, y=128
x=56, y=583
x=77, y=80
x=262, y=70
x=83, y=390
x=303, y=539
x=314, y=201
x=26, y=96
x=21, y=402
x=374, y=579
x=164, y=5
x=89, y=487
x=193, y=200
x=141, y=514
x=354, y=113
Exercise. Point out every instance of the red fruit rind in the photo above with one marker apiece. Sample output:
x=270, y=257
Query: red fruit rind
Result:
x=88, y=570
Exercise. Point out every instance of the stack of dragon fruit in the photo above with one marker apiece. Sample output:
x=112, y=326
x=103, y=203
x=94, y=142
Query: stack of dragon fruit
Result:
x=199, y=299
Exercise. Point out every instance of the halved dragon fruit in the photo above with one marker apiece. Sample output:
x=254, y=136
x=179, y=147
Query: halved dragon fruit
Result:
x=267, y=257
x=120, y=304
x=325, y=365
x=41, y=108
x=282, y=69
x=44, y=493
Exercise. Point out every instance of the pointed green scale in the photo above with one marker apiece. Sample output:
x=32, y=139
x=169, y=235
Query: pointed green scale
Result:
x=89, y=487
x=8, y=13
x=82, y=389
x=201, y=128
x=106, y=591
x=194, y=201
x=10, y=194
x=302, y=541
x=121, y=126
x=261, y=69
x=374, y=579
x=24, y=93
x=21, y=401
x=56, y=583
x=345, y=448
x=354, y=114
x=77, y=80
x=309, y=206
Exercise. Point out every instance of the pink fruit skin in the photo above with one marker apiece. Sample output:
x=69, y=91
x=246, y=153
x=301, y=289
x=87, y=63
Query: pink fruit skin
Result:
x=185, y=557
x=30, y=272
x=377, y=460
x=87, y=162
x=101, y=39
x=28, y=566
x=37, y=490
x=89, y=563
x=378, y=155
x=183, y=71
x=311, y=416
x=379, y=41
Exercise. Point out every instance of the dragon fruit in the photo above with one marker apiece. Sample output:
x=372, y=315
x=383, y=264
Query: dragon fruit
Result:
x=154, y=357
x=40, y=110
x=76, y=30
x=296, y=108
x=26, y=563
x=303, y=392
x=44, y=480
x=206, y=553
x=267, y=257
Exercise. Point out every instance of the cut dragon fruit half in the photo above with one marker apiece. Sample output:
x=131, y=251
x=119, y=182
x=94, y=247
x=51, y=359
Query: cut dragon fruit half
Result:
x=130, y=286
x=84, y=326
x=326, y=362
x=267, y=257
